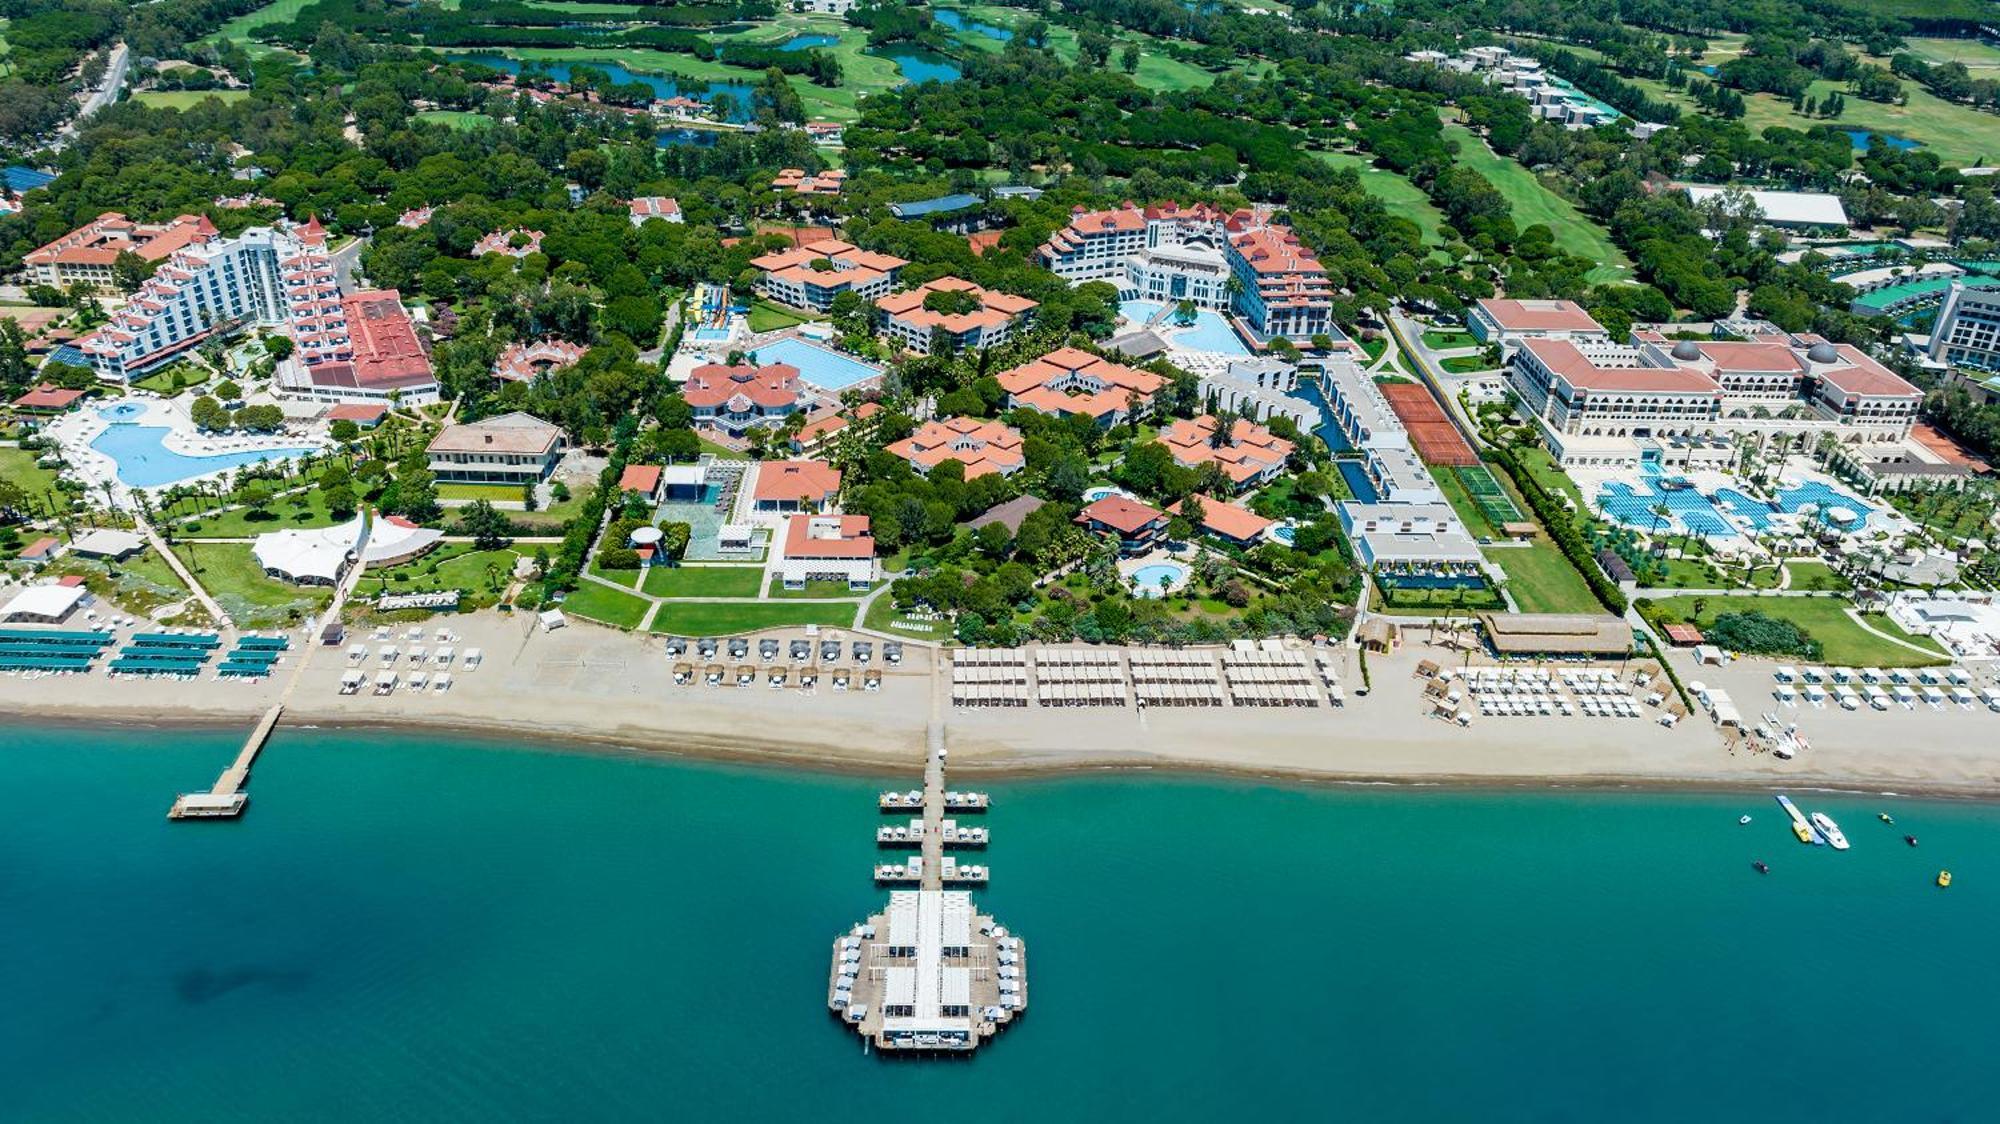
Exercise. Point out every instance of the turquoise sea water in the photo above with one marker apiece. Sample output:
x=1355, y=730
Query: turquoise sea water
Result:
x=412, y=928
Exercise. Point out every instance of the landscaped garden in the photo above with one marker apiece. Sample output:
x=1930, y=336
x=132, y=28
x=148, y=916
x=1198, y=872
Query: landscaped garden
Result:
x=718, y=618
x=1837, y=638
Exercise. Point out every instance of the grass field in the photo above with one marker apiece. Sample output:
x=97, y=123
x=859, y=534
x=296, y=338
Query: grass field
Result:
x=716, y=618
x=455, y=118
x=882, y=616
x=1158, y=70
x=304, y=509
x=767, y=317
x=255, y=599
x=185, y=99
x=1468, y=509
x=1975, y=54
x=1438, y=339
x=703, y=581
x=452, y=566
x=608, y=606
x=18, y=466
x=1825, y=619
x=137, y=585
x=1815, y=575
x=1533, y=203
x=488, y=492
x=1465, y=364
x=814, y=591
x=241, y=28
x=1542, y=580
x=1396, y=192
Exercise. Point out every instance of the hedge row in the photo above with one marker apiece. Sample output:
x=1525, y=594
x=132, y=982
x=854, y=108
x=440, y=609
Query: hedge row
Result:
x=1561, y=523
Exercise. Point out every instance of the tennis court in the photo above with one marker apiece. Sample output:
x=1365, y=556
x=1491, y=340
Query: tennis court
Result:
x=1493, y=501
x=1432, y=435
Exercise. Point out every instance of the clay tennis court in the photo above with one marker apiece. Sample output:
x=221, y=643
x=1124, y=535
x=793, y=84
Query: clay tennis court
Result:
x=1432, y=435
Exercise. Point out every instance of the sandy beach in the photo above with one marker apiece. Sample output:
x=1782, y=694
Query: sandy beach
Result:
x=587, y=687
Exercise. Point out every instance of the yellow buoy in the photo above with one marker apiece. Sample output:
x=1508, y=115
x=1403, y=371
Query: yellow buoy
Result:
x=1944, y=878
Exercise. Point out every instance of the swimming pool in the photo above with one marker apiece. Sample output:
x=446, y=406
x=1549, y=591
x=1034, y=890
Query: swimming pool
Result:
x=1138, y=312
x=1210, y=333
x=1825, y=498
x=1285, y=532
x=1356, y=476
x=144, y=461
x=1155, y=578
x=711, y=335
x=824, y=369
x=122, y=411
x=1092, y=495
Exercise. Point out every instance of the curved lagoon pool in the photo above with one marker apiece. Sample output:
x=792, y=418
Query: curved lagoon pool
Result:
x=144, y=461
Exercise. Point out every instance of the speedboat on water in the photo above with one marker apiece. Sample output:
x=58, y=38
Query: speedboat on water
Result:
x=1762, y=868
x=1885, y=817
x=1743, y=819
x=1910, y=839
x=1830, y=830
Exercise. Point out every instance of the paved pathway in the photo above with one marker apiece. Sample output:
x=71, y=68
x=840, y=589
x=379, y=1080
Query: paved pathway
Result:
x=173, y=562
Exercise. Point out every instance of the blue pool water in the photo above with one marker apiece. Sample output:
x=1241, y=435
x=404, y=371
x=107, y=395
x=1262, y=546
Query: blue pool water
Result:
x=661, y=87
x=1357, y=480
x=824, y=369
x=1094, y=494
x=144, y=461
x=1285, y=533
x=958, y=20
x=1792, y=500
x=1138, y=312
x=1147, y=580
x=122, y=411
x=1861, y=137
x=712, y=335
x=922, y=66
x=1210, y=333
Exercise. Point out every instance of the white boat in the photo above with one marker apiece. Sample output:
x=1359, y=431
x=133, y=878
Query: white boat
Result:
x=1830, y=830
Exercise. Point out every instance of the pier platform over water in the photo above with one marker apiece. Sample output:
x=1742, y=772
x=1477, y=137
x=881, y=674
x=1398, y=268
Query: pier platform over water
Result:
x=929, y=973
x=227, y=798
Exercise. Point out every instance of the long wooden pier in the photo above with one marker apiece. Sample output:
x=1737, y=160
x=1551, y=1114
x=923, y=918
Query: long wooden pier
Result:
x=227, y=798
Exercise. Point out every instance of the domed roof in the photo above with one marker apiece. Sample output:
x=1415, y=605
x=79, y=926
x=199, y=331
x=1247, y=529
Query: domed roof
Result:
x=1687, y=350
x=1823, y=353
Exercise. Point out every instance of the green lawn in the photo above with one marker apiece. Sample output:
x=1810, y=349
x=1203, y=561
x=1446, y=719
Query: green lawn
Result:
x=300, y=510
x=280, y=11
x=1825, y=619
x=161, y=382
x=137, y=585
x=715, y=618
x=1438, y=339
x=1542, y=580
x=455, y=118
x=1468, y=509
x=488, y=492
x=451, y=566
x=256, y=600
x=1158, y=69
x=1433, y=602
x=768, y=317
x=703, y=581
x=882, y=615
x=1815, y=575
x=18, y=466
x=1535, y=203
x=185, y=99
x=814, y=591
x=1466, y=364
x=1552, y=478
x=1395, y=191
x=627, y=578
x=608, y=606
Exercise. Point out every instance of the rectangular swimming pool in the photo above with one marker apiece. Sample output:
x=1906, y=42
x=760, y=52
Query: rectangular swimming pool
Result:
x=825, y=369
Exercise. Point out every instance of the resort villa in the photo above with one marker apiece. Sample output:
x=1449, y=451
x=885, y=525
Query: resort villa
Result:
x=787, y=487
x=734, y=400
x=826, y=428
x=798, y=182
x=649, y=207
x=1138, y=527
x=416, y=218
x=1250, y=456
x=1671, y=402
x=514, y=448
x=513, y=243
x=837, y=548
x=366, y=351
x=87, y=253
x=957, y=311
x=1239, y=263
x=48, y=398
x=521, y=362
x=640, y=480
x=1229, y=522
x=981, y=446
x=810, y=276
x=1506, y=323
x=1071, y=381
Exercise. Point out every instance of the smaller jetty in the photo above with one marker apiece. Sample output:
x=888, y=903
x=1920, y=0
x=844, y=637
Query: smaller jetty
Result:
x=929, y=973
x=227, y=798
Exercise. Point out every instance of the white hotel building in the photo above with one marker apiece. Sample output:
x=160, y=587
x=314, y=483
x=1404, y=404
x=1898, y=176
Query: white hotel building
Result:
x=1681, y=403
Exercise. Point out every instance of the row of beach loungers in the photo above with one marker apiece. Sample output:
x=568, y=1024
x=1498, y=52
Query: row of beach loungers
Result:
x=769, y=649
x=1906, y=676
x=353, y=681
x=777, y=678
x=1263, y=674
x=1877, y=697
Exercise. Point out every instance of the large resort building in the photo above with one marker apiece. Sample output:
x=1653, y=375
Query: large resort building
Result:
x=346, y=348
x=87, y=253
x=812, y=275
x=989, y=320
x=514, y=448
x=983, y=447
x=1235, y=262
x=736, y=399
x=1072, y=381
x=1507, y=323
x=828, y=548
x=1678, y=403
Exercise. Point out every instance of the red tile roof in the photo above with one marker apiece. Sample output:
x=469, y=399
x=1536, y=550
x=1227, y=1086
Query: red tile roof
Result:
x=1123, y=515
x=796, y=481
x=358, y=412
x=48, y=396
x=1228, y=520
x=1538, y=315
x=641, y=478
x=854, y=538
x=713, y=384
